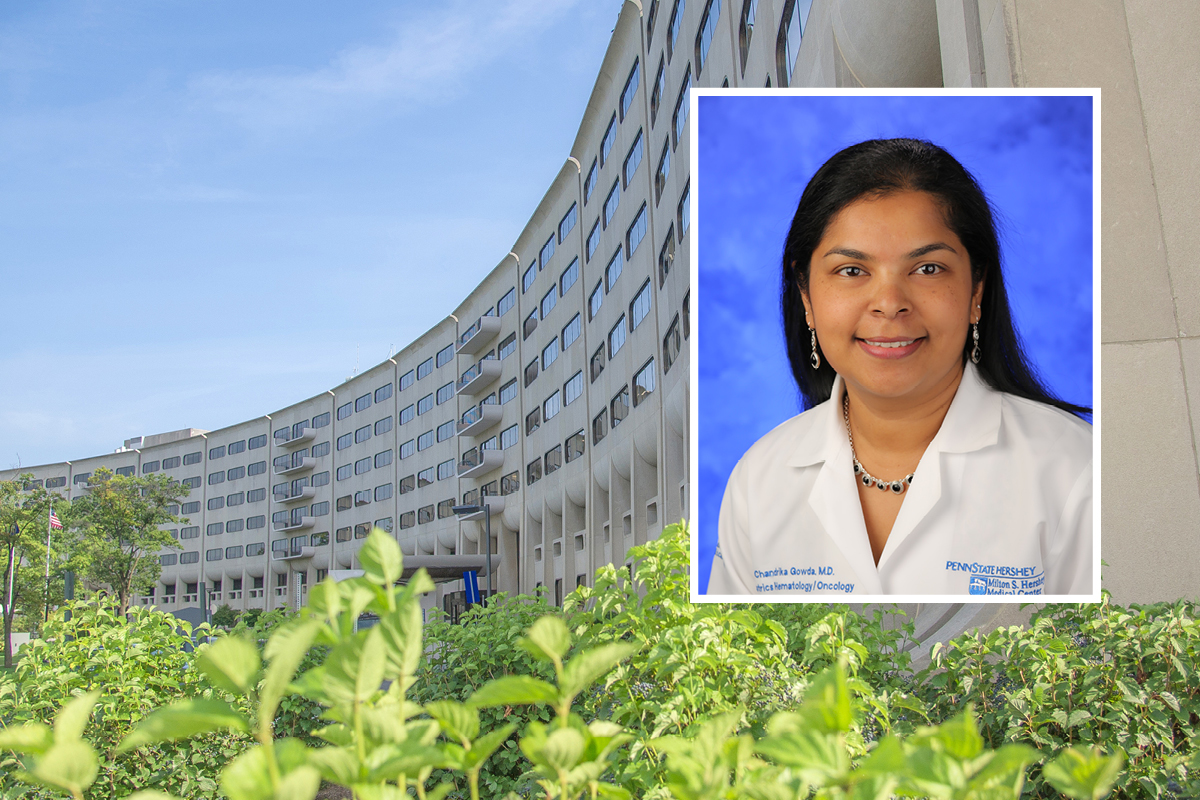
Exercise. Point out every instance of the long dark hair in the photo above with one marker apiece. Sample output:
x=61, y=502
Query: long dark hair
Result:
x=877, y=168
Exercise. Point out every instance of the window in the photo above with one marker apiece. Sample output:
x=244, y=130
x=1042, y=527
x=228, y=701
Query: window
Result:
x=708, y=26
x=674, y=25
x=530, y=324
x=573, y=388
x=639, y=309
x=425, y=404
x=237, y=447
x=235, y=473
x=384, y=524
x=345, y=471
x=596, y=300
x=444, y=357
x=508, y=437
x=679, y=118
x=345, y=503
x=168, y=560
x=650, y=15
x=362, y=498
x=613, y=270
x=597, y=363
x=620, y=406
x=589, y=183
x=383, y=459
x=671, y=345
x=167, y=463
x=663, y=171
x=408, y=519
x=424, y=368
x=533, y=420
x=531, y=372
x=362, y=465
x=567, y=223
x=507, y=302
x=687, y=304
x=235, y=499
x=147, y=468
x=600, y=426
x=362, y=434
x=425, y=477
x=345, y=411
x=787, y=49
x=320, y=509
x=684, y=211
x=191, y=458
x=550, y=353
x=546, y=253
x=666, y=257
x=406, y=380
x=746, y=30
x=215, y=503
x=508, y=346
x=363, y=403
x=633, y=160
x=362, y=530
x=125, y=472
x=260, y=467
x=508, y=391
x=551, y=407
x=445, y=393
x=593, y=240
x=408, y=448
x=574, y=446
x=345, y=440
x=189, y=558
x=322, y=420
x=611, y=202
x=571, y=332
x=216, y=554
x=533, y=472
x=381, y=426
x=407, y=413
x=258, y=495
x=630, y=90
x=549, y=301
x=445, y=508
x=660, y=83
x=445, y=470
x=643, y=382
x=445, y=431
x=190, y=508
x=425, y=441
x=214, y=529
x=256, y=548
x=424, y=514
x=216, y=477
x=610, y=136
x=408, y=484
x=216, y=452
x=189, y=533
x=381, y=394
x=553, y=458
x=528, y=278
x=319, y=540
x=616, y=337
x=342, y=534
x=636, y=232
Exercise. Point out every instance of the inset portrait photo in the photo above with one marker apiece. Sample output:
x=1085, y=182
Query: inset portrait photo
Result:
x=896, y=346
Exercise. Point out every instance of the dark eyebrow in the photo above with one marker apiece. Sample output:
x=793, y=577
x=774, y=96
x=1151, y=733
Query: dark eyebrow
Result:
x=929, y=248
x=858, y=255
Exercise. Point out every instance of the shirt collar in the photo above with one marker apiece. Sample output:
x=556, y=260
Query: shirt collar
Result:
x=971, y=423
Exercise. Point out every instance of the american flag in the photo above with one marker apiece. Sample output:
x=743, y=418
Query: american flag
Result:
x=55, y=523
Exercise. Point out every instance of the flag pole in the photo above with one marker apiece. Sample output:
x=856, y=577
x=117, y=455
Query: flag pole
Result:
x=48, y=527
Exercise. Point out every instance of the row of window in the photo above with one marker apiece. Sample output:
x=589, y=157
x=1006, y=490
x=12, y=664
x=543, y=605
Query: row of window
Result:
x=553, y=459
x=549, y=409
x=618, y=407
x=237, y=473
x=230, y=500
x=286, y=434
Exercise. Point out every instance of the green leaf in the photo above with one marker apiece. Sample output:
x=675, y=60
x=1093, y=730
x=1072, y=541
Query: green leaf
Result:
x=326, y=599
x=960, y=737
x=587, y=667
x=1006, y=769
x=483, y=747
x=302, y=783
x=73, y=718
x=826, y=704
x=248, y=777
x=183, y=719
x=562, y=748
x=69, y=765
x=1084, y=773
x=401, y=630
x=231, y=663
x=151, y=794
x=513, y=690
x=284, y=651
x=548, y=638
x=457, y=720
x=339, y=765
x=381, y=559
x=370, y=666
x=32, y=738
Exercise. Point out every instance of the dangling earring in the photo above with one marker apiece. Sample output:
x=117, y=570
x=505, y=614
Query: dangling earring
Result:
x=814, y=359
x=975, y=354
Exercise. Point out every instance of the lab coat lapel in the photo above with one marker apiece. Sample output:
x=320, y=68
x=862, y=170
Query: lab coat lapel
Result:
x=834, y=499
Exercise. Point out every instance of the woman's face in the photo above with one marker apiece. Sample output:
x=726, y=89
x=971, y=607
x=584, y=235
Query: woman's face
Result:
x=891, y=297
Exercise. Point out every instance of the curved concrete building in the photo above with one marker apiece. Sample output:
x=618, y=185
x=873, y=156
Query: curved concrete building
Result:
x=558, y=388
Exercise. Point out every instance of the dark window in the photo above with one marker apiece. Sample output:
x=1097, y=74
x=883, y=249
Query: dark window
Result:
x=345, y=411
x=216, y=452
x=322, y=420
x=406, y=380
x=192, y=458
x=237, y=447
x=630, y=90
x=383, y=426
x=363, y=403
x=383, y=393
x=620, y=406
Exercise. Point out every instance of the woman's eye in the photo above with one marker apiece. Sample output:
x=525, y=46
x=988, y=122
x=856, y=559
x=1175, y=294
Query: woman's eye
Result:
x=850, y=272
x=929, y=269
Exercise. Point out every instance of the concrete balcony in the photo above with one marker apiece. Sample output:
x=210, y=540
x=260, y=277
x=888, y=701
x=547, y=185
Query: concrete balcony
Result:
x=479, y=419
x=306, y=493
x=290, y=466
x=478, y=464
x=478, y=377
x=293, y=553
x=495, y=505
x=306, y=435
x=479, y=335
x=305, y=522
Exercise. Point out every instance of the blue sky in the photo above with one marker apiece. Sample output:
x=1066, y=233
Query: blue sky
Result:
x=209, y=211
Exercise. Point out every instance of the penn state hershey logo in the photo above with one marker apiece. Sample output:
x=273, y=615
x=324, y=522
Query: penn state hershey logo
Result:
x=993, y=579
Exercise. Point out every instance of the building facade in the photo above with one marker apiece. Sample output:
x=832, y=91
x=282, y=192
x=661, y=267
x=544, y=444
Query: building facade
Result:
x=558, y=388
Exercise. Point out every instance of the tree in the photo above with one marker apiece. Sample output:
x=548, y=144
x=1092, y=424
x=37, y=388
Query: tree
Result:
x=120, y=519
x=24, y=523
x=224, y=617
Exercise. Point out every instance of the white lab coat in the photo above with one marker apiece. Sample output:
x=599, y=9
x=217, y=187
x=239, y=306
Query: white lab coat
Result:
x=1000, y=504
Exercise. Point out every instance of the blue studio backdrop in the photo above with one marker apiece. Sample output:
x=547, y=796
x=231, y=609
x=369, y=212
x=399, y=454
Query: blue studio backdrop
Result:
x=1032, y=156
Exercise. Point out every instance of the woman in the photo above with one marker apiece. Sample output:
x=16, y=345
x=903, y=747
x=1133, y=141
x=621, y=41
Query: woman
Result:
x=931, y=461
